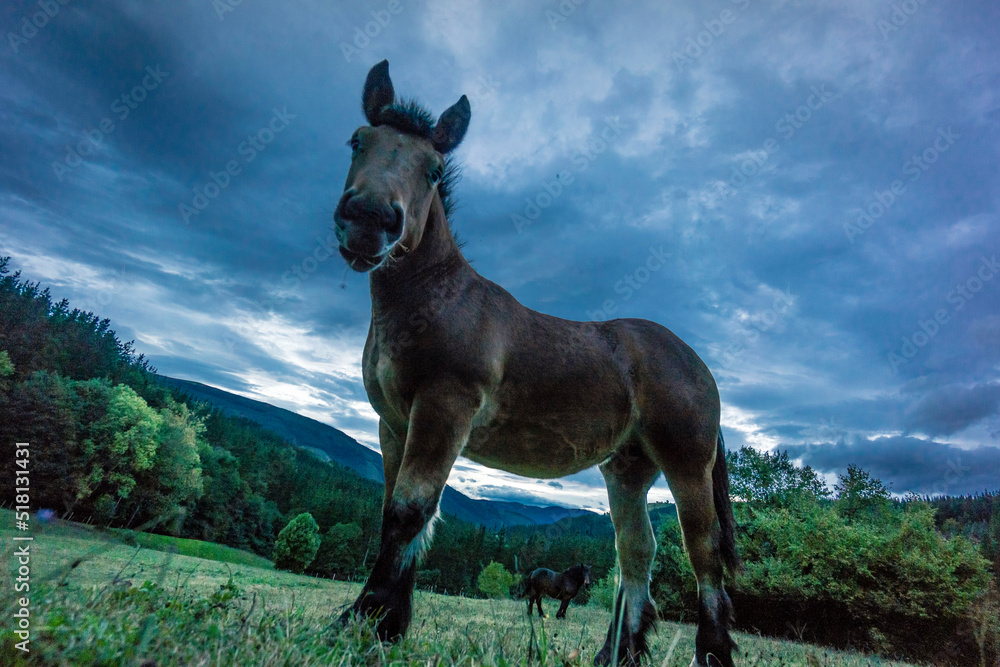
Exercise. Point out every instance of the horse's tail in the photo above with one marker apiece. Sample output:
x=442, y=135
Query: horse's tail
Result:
x=724, y=509
x=521, y=588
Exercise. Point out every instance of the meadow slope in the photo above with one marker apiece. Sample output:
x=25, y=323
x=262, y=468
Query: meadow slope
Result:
x=97, y=600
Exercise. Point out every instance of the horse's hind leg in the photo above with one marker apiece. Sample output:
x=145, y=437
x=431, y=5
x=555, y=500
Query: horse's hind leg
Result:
x=538, y=600
x=700, y=525
x=629, y=474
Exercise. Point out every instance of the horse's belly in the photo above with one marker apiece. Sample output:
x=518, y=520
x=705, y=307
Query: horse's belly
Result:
x=546, y=447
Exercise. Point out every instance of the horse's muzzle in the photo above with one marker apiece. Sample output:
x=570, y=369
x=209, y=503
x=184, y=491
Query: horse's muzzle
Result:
x=366, y=230
x=361, y=263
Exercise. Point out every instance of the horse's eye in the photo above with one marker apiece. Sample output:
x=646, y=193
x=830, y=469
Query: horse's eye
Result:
x=437, y=175
x=354, y=144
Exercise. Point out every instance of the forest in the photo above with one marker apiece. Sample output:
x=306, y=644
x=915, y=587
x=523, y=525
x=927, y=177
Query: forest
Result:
x=853, y=566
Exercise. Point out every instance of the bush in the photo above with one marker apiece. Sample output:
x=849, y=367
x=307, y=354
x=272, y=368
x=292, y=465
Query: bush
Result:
x=673, y=585
x=495, y=580
x=893, y=586
x=602, y=593
x=862, y=572
x=297, y=544
x=341, y=552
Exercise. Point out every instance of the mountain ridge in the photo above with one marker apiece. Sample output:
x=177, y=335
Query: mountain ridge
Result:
x=330, y=443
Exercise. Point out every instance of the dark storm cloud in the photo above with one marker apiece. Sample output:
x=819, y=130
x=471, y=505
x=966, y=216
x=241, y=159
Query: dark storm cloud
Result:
x=742, y=174
x=950, y=409
x=909, y=464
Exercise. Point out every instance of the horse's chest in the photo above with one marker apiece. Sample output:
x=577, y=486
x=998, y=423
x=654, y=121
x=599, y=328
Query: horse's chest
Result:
x=387, y=387
x=386, y=383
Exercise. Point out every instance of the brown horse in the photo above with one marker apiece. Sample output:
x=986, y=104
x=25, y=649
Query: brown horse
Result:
x=454, y=365
x=563, y=586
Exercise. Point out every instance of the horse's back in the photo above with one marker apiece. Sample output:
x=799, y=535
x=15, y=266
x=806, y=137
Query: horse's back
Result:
x=540, y=574
x=566, y=394
x=536, y=582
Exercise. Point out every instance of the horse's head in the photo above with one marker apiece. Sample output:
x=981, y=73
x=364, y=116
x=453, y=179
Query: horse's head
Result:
x=580, y=573
x=397, y=167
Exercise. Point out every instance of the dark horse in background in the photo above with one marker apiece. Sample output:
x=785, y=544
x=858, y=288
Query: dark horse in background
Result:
x=563, y=586
x=454, y=365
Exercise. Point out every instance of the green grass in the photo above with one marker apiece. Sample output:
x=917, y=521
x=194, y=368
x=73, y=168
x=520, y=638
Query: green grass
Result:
x=196, y=548
x=121, y=605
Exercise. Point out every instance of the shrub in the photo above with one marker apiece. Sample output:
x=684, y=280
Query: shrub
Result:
x=894, y=585
x=297, y=544
x=602, y=593
x=495, y=580
x=341, y=552
x=877, y=576
x=673, y=585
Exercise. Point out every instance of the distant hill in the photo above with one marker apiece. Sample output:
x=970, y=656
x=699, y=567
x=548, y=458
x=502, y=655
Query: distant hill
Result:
x=324, y=441
x=330, y=443
x=599, y=526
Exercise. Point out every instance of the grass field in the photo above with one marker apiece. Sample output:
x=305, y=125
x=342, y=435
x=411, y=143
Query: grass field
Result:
x=128, y=605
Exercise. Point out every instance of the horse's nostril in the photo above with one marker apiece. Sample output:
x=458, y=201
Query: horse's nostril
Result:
x=344, y=198
x=396, y=229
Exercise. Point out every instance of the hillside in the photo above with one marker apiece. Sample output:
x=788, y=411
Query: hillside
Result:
x=123, y=605
x=330, y=443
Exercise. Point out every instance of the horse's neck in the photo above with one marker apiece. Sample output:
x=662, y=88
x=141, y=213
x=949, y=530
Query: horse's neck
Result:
x=431, y=268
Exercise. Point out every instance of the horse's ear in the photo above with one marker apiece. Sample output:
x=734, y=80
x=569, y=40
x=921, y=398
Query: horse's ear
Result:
x=378, y=92
x=451, y=126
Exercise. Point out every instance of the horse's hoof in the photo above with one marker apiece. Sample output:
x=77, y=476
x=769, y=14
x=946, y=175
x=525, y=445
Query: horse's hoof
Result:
x=712, y=661
x=390, y=617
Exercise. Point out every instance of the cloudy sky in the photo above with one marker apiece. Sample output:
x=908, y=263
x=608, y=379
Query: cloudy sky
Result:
x=822, y=177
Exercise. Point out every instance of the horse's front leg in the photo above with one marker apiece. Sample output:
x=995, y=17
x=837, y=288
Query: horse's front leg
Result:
x=438, y=430
x=562, y=609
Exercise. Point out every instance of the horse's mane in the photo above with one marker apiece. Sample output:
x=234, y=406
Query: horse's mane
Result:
x=411, y=117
